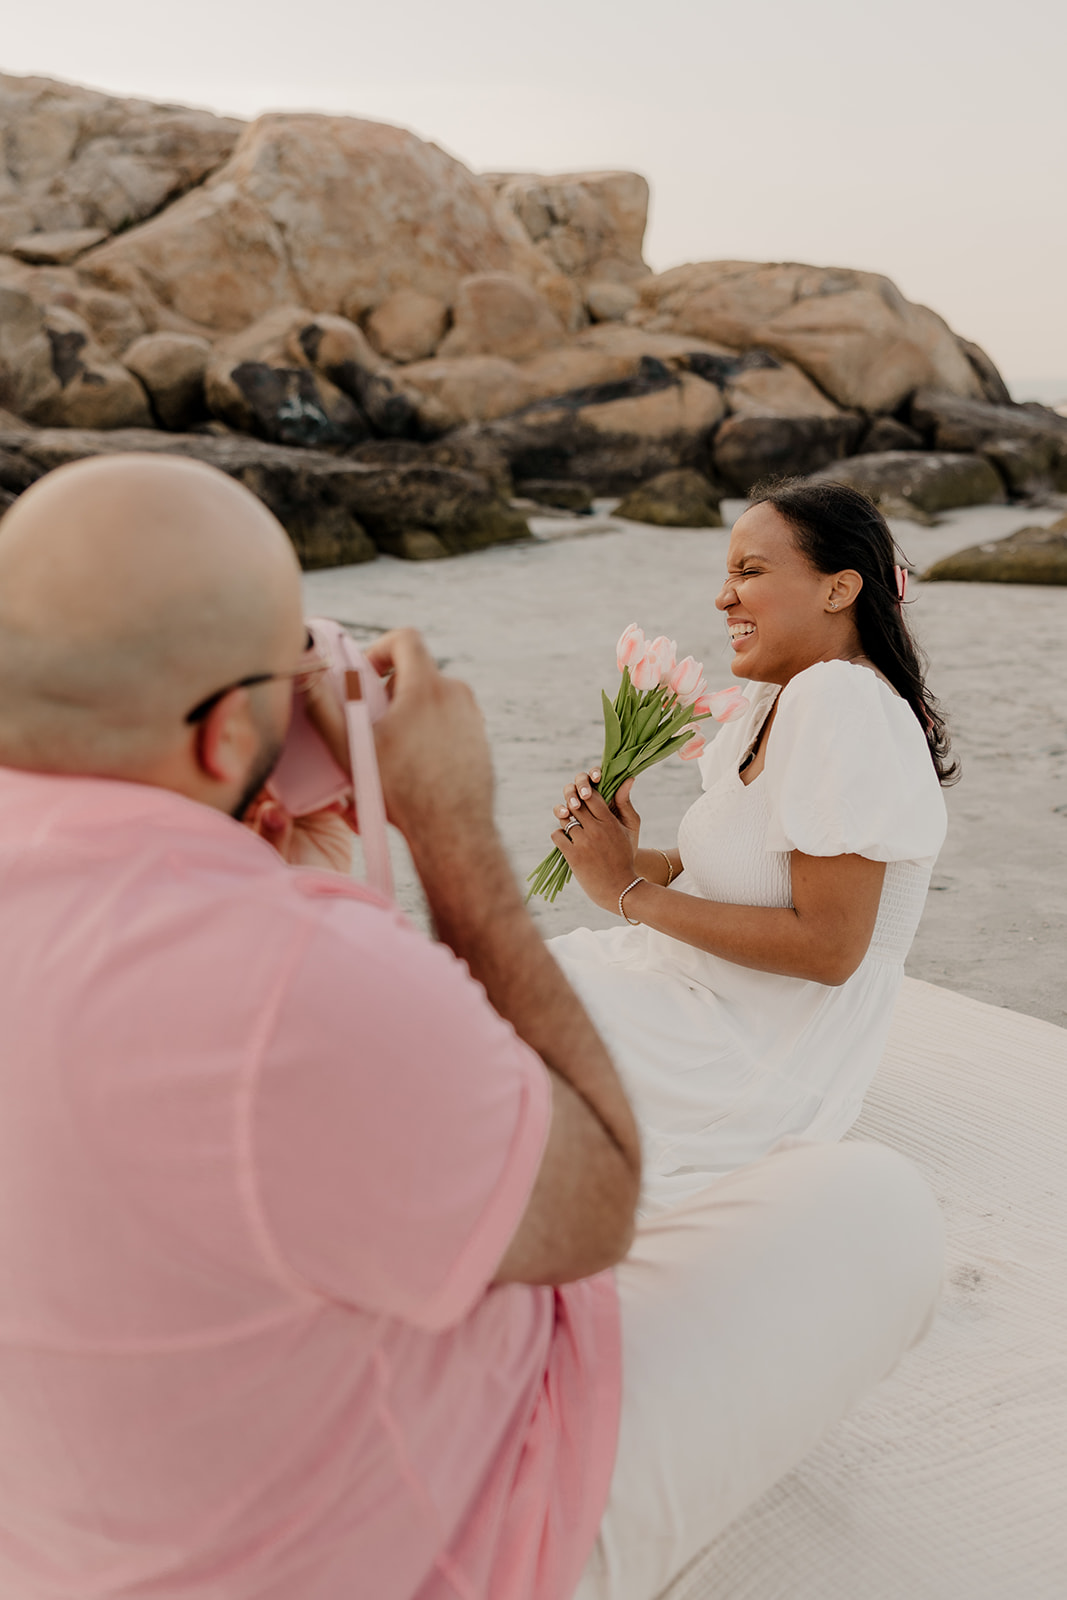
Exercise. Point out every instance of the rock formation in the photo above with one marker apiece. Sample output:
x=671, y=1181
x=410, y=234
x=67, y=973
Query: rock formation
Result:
x=1030, y=555
x=682, y=499
x=339, y=293
x=905, y=482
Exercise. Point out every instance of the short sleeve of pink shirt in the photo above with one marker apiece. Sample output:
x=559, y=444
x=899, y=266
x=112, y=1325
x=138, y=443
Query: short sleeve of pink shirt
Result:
x=388, y=1092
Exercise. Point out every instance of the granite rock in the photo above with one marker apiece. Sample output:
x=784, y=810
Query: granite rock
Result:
x=613, y=437
x=76, y=159
x=336, y=511
x=497, y=314
x=1027, y=444
x=57, y=249
x=749, y=451
x=853, y=333
x=927, y=481
x=1030, y=555
x=333, y=213
x=171, y=366
x=407, y=325
x=680, y=499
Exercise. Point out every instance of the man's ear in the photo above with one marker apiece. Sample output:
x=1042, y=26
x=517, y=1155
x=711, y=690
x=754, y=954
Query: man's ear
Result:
x=226, y=739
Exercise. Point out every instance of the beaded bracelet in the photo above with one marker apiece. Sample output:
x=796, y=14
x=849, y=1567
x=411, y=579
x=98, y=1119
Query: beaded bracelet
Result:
x=635, y=922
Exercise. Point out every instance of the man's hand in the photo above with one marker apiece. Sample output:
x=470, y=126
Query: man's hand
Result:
x=433, y=754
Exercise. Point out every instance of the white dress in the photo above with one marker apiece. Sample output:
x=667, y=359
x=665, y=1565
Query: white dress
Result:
x=720, y=1061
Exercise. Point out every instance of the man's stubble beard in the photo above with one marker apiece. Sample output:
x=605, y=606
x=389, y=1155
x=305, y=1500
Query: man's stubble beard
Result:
x=266, y=762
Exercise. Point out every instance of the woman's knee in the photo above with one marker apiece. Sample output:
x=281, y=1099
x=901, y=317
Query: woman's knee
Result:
x=897, y=1220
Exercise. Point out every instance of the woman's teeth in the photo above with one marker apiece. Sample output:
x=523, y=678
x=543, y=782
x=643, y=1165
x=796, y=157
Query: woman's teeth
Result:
x=741, y=630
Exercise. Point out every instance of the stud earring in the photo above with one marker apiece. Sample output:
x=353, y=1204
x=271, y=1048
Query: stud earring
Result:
x=833, y=605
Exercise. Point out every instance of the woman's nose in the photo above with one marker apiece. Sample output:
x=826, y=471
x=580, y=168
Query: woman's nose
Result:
x=725, y=596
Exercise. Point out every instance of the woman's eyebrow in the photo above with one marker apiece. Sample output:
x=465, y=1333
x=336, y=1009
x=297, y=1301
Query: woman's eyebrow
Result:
x=747, y=561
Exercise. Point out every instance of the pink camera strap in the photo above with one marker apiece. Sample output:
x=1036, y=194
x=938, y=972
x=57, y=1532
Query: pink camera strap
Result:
x=370, y=804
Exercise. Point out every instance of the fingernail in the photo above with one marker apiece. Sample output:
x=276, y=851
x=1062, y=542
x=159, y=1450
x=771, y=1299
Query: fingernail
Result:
x=575, y=804
x=595, y=774
x=585, y=793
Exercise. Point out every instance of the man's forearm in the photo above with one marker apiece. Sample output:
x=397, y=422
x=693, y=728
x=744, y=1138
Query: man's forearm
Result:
x=478, y=911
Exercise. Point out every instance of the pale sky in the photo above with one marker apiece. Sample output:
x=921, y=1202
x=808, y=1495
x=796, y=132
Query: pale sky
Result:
x=926, y=139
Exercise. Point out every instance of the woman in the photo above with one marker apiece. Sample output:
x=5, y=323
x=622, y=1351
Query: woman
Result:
x=750, y=997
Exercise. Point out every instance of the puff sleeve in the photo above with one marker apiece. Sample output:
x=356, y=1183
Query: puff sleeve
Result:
x=848, y=770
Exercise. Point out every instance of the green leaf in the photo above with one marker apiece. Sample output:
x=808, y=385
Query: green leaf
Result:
x=612, y=731
x=677, y=743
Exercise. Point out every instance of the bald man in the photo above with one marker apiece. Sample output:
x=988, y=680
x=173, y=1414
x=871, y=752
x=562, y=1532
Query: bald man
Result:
x=306, y=1224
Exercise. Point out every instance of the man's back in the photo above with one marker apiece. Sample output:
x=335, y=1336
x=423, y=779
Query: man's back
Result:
x=261, y=1149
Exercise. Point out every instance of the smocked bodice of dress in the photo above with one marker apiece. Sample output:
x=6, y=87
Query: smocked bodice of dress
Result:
x=722, y=844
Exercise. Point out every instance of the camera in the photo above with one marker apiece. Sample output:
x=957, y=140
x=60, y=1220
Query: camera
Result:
x=308, y=778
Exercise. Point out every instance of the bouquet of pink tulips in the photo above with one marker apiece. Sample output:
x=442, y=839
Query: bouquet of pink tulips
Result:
x=651, y=717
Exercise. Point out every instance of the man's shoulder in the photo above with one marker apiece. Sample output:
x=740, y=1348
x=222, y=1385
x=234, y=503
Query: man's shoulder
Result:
x=150, y=850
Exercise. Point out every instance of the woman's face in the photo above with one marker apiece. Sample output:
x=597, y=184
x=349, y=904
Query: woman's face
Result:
x=782, y=614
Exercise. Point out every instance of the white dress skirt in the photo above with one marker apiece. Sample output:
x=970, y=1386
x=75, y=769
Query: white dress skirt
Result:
x=722, y=1062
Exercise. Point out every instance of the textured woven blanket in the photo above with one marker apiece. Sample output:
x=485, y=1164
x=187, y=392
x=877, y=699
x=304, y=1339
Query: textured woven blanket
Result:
x=949, y=1482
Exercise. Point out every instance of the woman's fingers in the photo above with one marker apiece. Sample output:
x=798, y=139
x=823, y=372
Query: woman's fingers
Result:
x=623, y=807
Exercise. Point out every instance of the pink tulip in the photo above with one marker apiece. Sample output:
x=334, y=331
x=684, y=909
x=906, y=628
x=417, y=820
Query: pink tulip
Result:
x=726, y=705
x=694, y=749
x=631, y=643
x=645, y=672
x=664, y=651
x=687, y=680
x=702, y=705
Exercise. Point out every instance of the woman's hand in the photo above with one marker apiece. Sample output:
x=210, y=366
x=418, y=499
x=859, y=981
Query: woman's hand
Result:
x=598, y=845
x=322, y=839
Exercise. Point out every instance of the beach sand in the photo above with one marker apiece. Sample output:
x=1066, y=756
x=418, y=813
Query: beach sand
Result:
x=532, y=627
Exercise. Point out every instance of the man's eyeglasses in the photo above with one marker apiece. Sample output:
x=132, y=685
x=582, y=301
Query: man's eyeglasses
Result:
x=303, y=678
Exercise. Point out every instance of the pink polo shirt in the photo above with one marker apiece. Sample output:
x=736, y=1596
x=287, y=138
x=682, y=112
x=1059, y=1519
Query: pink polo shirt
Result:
x=262, y=1146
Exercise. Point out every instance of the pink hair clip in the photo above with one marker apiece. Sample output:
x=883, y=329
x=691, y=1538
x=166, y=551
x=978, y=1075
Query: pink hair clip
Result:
x=902, y=582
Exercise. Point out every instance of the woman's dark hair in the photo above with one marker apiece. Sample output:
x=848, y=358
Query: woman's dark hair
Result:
x=838, y=528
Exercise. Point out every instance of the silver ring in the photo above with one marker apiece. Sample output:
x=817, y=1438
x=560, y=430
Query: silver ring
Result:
x=573, y=823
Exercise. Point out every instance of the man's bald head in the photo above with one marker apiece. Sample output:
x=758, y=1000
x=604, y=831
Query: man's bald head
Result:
x=131, y=587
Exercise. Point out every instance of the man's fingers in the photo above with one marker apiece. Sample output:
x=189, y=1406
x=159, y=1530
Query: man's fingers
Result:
x=327, y=717
x=403, y=653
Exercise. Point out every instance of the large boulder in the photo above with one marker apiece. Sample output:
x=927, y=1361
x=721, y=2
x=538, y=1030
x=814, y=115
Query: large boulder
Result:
x=76, y=160
x=886, y=433
x=335, y=511
x=407, y=325
x=1030, y=555
x=777, y=389
x=28, y=380
x=681, y=499
x=57, y=249
x=334, y=213
x=610, y=302
x=906, y=481
x=497, y=314
x=53, y=372
x=590, y=225
x=753, y=450
x=300, y=378
x=1027, y=445
x=261, y=382
x=613, y=437
x=449, y=393
x=171, y=366
x=114, y=320
x=853, y=333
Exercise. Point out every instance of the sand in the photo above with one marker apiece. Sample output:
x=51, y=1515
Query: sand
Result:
x=532, y=628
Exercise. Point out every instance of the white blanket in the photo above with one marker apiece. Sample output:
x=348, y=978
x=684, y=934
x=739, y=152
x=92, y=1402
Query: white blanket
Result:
x=950, y=1481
